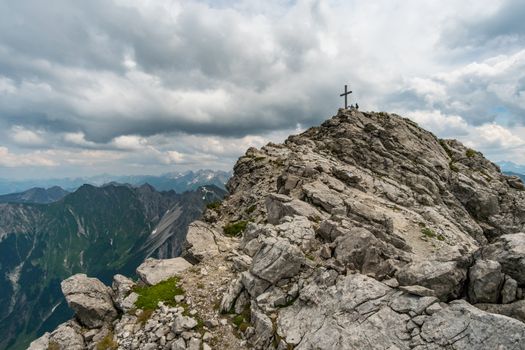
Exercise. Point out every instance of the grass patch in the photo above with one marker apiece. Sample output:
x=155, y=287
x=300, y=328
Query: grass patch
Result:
x=453, y=166
x=242, y=320
x=235, y=229
x=214, y=205
x=445, y=147
x=144, y=316
x=425, y=231
x=150, y=296
x=107, y=343
x=251, y=209
x=428, y=232
x=470, y=153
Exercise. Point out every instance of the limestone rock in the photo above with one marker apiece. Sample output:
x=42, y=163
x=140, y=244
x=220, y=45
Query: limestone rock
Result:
x=200, y=242
x=515, y=310
x=153, y=271
x=122, y=287
x=418, y=290
x=67, y=336
x=277, y=259
x=263, y=330
x=445, y=278
x=509, y=251
x=90, y=299
x=233, y=291
x=253, y=284
x=360, y=249
x=509, y=290
x=463, y=326
x=279, y=206
x=183, y=323
x=485, y=281
x=321, y=195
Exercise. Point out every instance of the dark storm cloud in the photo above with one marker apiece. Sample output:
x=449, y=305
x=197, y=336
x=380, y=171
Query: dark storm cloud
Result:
x=481, y=35
x=58, y=55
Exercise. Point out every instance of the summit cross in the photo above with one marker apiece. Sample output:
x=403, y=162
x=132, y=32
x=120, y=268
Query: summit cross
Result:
x=345, y=94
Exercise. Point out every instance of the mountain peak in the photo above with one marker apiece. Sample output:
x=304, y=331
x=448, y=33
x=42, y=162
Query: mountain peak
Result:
x=366, y=231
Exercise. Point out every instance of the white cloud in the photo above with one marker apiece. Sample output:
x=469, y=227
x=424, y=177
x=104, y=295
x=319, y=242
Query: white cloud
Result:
x=200, y=82
x=130, y=142
x=25, y=137
x=439, y=123
x=495, y=136
x=38, y=159
x=173, y=157
x=78, y=139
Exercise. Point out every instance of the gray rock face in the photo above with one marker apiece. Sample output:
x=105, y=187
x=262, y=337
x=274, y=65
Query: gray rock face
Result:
x=462, y=326
x=122, y=287
x=509, y=290
x=515, y=310
x=67, y=336
x=279, y=206
x=485, y=281
x=509, y=251
x=90, y=299
x=200, y=242
x=153, y=271
x=277, y=259
x=359, y=249
x=183, y=323
x=263, y=330
x=233, y=291
x=444, y=278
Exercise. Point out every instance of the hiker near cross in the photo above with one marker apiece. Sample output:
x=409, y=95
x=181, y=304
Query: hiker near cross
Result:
x=345, y=94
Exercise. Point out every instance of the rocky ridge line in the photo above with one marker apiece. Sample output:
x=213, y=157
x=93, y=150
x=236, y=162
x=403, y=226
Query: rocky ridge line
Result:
x=366, y=232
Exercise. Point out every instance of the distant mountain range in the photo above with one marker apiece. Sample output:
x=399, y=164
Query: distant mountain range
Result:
x=96, y=230
x=511, y=167
x=179, y=182
x=35, y=195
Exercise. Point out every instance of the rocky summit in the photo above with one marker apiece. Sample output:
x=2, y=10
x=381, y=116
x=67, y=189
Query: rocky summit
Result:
x=366, y=232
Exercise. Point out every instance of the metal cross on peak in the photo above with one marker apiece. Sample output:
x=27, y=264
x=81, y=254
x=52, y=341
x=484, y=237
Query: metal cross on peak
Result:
x=345, y=94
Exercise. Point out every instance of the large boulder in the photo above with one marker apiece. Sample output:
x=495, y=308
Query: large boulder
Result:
x=200, y=242
x=445, y=278
x=360, y=250
x=485, y=281
x=509, y=251
x=153, y=271
x=323, y=196
x=277, y=259
x=90, y=299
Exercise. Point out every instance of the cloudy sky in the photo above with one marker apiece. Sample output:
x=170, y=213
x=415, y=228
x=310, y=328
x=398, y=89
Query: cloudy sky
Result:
x=145, y=87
